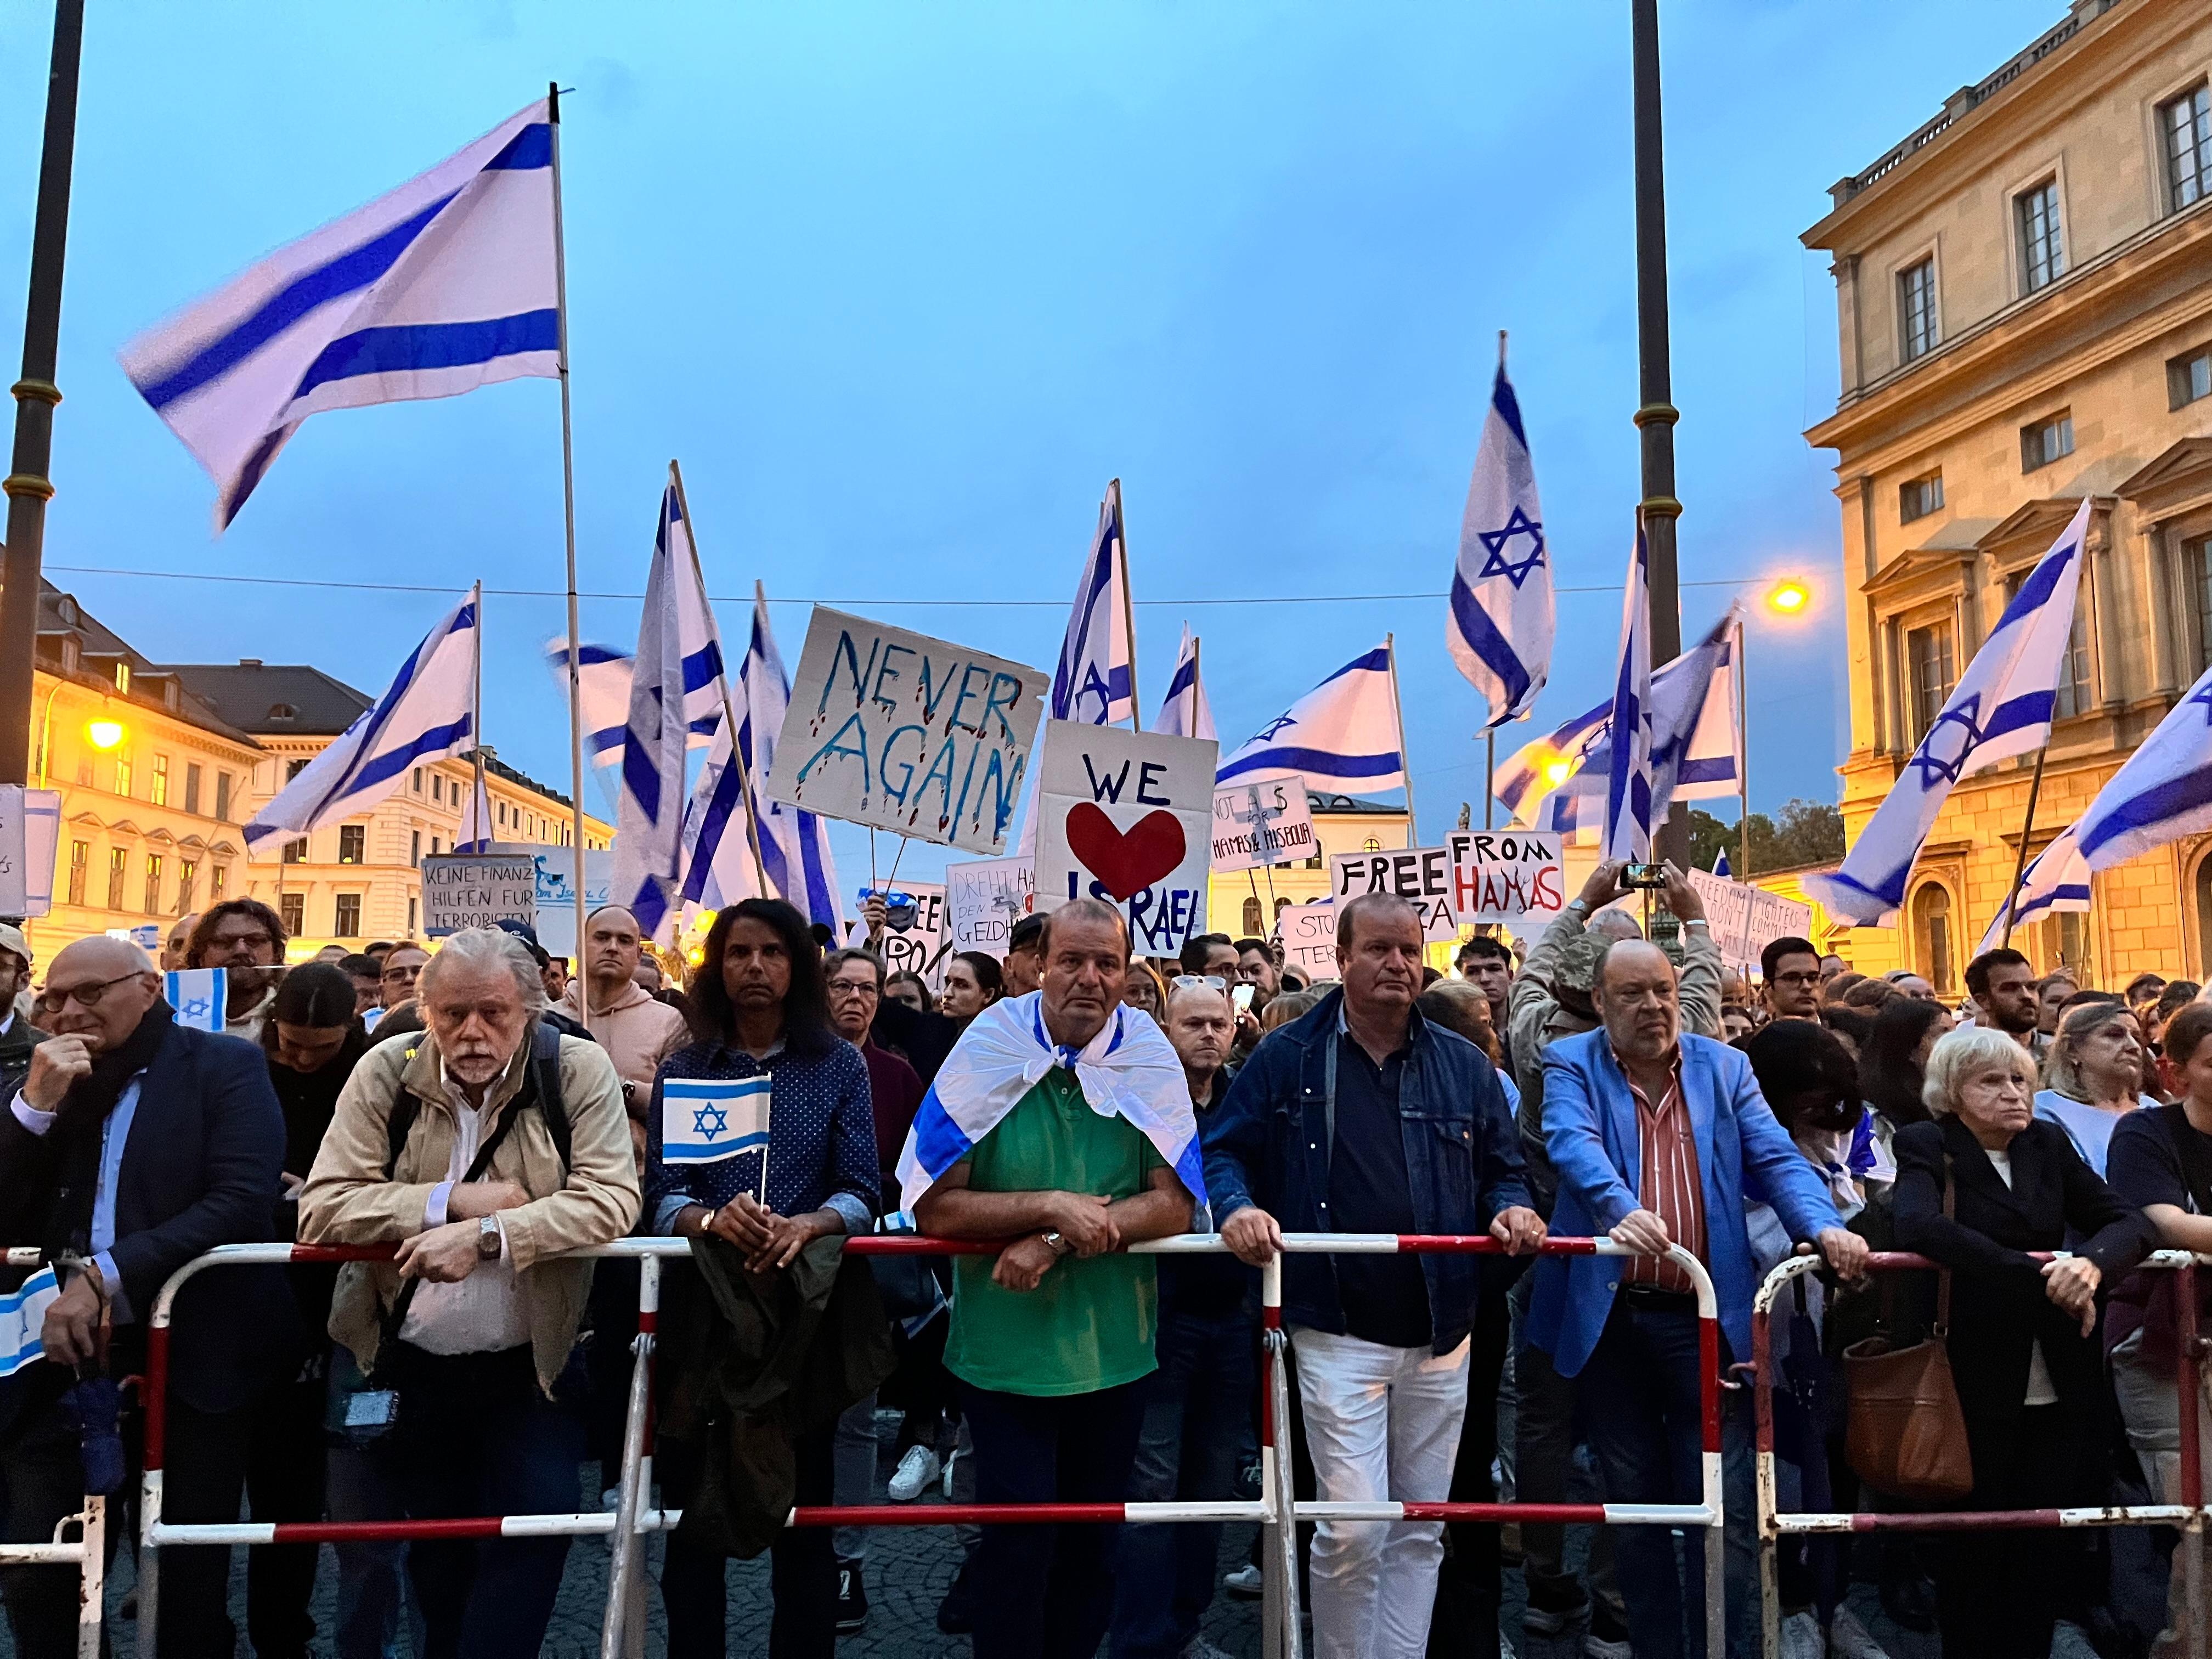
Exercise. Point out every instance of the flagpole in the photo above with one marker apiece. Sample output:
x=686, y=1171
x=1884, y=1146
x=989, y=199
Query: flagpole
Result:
x=1190, y=720
x=476, y=719
x=568, y=512
x=722, y=678
x=1742, y=751
x=1489, y=774
x=2027, y=828
x=1129, y=606
x=1405, y=761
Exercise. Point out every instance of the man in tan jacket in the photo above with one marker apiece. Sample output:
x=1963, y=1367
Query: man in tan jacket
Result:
x=484, y=1146
x=637, y=1031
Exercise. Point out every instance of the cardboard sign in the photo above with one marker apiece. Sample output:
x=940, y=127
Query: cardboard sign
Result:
x=477, y=890
x=1124, y=816
x=556, y=893
x=1422, y=876
x=1744, y=919
x=30, y=831
x=906, y=733
x=1309, y=935
x=921, y=947
x=985, y=899
x=1508, y=876
x=1261, y=821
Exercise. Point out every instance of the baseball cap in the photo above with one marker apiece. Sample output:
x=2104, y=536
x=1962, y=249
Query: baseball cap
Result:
x=1026, y=932
x=525, y=933
x=11, y=939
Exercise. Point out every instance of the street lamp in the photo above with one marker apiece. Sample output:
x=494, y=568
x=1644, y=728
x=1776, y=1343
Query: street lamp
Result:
x=1789, y=596
x=104, y=734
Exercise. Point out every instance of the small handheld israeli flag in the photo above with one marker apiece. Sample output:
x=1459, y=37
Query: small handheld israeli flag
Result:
x=706, y=1120
x=199, y=995
x=22, y=1317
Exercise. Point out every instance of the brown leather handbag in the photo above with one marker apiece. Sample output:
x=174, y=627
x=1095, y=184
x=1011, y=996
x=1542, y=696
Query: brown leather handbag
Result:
x=1905, y=1436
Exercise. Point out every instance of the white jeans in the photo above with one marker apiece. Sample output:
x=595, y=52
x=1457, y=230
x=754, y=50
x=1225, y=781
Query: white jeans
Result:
x=1381, y=1424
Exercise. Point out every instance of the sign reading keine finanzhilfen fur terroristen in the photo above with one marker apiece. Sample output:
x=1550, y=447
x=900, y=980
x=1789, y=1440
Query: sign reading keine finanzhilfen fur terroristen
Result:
x=985, y=899
x=477, y=890
x=906, y=733
x=1309, y=935
x=1123, y=816
x=1261, y=821
x=1507, y=875
x=1422, y=876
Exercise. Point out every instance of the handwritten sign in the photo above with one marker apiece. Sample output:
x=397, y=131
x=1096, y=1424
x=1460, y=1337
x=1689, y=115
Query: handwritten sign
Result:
x=30, y=831
x=1309, y=935
x=985, y=899
x=919, y=947
x=1507, y=875
x=906, y=733
x=1744, y=919
x=1262, y=821
x=478, y=889
x=1124, y=816
x=1422, y=876
x=556, y=893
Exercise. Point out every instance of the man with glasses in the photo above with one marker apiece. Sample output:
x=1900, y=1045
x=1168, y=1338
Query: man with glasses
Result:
x=176, y=950
x=134, y=1145
x=18, y=1037
x=246, y=939
x=402, y=968
x=1791, y=970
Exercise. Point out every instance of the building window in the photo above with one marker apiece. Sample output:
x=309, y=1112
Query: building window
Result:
x=2186, y=126
x=437, y=788
x=292, y=910
x=416, y=778
x=1928, y=651
x=2046, y=440
x=1255, y=919
x=192, y=787
x=1931, y=935
x=434, y=846
x=415, y=849
x=411, y=918
x=218, y=879
x=2073, y=694
x=123, y=775
x=2198, y=557
x=502, y=815
x=2066, y=939
x=346, y=922
x=79, y=858
x=296, y=852
x=84, y=771
x=123, y=677
x=188, y=874
x=1370, y=845
x=2190, y=378
x=119, y=871
x=2042, y=244
x=1917, y=497
x=153, y=906
x=294, y=768
x=157, y=785
x=353, y=844
x=222, y=796
x=1916, y=309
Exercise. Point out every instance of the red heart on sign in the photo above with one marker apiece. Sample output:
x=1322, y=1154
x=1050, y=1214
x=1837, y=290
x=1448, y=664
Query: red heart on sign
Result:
x=1126, y=862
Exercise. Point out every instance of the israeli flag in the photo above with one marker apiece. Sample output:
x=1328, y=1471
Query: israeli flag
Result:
x=2001, y=708
x=1627, y=826
x=706, y=1120
x=2164, y=792
x=446, y=285
x=201, y=997
x=2055, y=879
x=1343, y=734
x=604, y=673
x=476, y=832
x=425, y=715
x=1500, y=624
x=22, y=1320
x=1721, y=863
x=1186, y=713
x=1127, y=1071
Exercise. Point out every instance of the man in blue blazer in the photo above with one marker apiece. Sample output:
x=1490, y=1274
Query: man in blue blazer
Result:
x=134, y=1145
x=1658, y=1138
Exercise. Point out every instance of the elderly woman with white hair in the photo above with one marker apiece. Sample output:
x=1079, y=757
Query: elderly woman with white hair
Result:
x=1985, y=1188
x=2093, y=1076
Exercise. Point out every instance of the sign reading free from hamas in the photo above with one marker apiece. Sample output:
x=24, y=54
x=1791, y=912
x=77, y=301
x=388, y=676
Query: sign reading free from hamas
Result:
x=906, y=733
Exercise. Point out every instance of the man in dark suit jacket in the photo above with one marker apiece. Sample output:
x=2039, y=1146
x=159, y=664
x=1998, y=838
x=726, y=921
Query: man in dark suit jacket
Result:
x=135, y=1145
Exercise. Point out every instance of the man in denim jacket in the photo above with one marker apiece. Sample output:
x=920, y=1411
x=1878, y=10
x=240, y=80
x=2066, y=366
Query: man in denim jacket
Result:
x=1362, y=1117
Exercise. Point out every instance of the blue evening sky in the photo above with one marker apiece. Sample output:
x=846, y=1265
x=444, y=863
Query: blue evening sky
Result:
x=903, y=286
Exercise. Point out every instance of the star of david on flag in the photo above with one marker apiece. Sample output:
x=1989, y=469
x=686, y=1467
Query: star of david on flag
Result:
x=1500, y=620
x=706, y=1120
x=200, y=996
x=1494, y=543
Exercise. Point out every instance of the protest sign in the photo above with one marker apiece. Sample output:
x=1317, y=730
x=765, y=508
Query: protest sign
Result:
x=1309, y=935
x=1125, y=816
x=906, y=733
x=984, y=900
x=1422, y=876
x=556, y=892
x=919, y=947
x=1261, y=821
x=1508, y=876
x=478, y=889
x=1744, y=918
x=30, y=831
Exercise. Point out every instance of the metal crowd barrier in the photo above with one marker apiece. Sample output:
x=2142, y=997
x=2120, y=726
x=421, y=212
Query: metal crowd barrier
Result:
x=623, y=1630
x=87, y=1552
x=2190, y=1516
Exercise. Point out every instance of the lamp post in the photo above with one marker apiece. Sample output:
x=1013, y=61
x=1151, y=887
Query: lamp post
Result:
x=27, y=486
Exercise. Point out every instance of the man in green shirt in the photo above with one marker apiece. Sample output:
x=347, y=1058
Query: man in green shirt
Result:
x=1051, y=1336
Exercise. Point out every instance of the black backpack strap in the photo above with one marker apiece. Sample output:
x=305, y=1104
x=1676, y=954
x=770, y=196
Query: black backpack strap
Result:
x=406, y=1109
x=2195, y=1157
x=545, y=1057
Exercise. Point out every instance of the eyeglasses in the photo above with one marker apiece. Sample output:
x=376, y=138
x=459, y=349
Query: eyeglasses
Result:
x=1198, y=982
x=86, y=996
x=854, y=987
x=253, y=941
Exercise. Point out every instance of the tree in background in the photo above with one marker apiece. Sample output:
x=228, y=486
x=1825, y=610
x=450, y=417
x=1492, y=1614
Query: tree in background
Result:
x=1805, y=832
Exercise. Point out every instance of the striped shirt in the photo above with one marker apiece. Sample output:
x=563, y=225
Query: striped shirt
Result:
x=1668, y=1183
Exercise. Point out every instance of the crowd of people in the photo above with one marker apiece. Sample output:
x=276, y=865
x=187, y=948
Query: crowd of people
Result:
x=487, y=1115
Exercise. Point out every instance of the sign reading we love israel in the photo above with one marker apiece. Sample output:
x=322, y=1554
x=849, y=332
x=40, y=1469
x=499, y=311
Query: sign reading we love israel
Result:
x=1127, y=817
x=706, y=1120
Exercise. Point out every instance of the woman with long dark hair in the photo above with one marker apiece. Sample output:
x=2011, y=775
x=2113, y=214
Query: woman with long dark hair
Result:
x=973, y=982
x=760, y=1007
x=1892, y=1064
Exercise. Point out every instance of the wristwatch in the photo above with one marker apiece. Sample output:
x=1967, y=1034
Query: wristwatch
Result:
x=1056, y=1243
x=488, y=1238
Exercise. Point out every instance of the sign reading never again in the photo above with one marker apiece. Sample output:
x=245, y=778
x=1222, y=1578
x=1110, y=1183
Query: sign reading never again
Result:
x=1124, y=816
x=906, y=733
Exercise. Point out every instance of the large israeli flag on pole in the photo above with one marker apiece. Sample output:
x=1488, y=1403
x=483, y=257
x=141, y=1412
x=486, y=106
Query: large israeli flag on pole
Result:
x=1500, y=624
x=424, y=715
x=2055, y=880
x=2163, y=793
x=606, y=698
x=1185, y=712
x=446, y=285
x=1627, y=825
x=2001, y=708
x=1343, y=734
